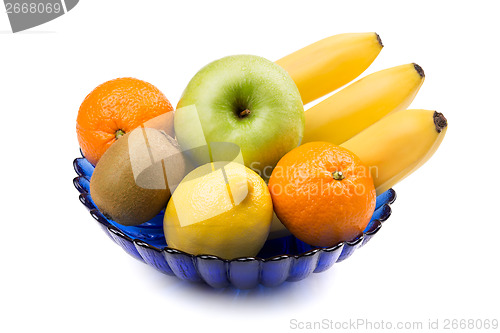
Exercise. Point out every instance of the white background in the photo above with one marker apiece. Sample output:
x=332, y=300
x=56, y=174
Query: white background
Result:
x=435, y=258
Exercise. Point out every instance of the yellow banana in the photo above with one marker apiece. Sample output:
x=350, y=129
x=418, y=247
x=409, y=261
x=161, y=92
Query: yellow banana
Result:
x=361, y=104
x=330, y=63
x=398, y=145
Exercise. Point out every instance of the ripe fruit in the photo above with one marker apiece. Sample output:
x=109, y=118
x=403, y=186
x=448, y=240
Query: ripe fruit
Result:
x=322, y=193
x=245, y=100
x=221, y=209
x=133, y=180
x=328, y=64
x=399, y=144
x=356, y=107
x=114, y=108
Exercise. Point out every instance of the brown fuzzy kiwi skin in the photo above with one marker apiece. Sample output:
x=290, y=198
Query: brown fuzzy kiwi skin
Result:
x=114, y=189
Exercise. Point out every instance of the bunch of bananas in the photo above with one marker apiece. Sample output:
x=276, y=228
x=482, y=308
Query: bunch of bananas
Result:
x=370, y=116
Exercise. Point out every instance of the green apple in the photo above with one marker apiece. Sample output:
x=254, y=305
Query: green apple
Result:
x=245, y=101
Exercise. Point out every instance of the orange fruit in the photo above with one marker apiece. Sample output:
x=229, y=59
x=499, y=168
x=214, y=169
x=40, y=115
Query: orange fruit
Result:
x=322, y=193
x=114, y=108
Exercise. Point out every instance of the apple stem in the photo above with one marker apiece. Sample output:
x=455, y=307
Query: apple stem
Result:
x=244, y=113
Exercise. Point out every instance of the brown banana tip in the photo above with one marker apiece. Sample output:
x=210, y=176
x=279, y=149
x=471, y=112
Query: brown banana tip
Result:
x=419, y=70
x=440, y=121
x=379, y=40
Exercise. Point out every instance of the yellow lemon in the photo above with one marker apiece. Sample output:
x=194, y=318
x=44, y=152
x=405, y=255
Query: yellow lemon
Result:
x=220, y=208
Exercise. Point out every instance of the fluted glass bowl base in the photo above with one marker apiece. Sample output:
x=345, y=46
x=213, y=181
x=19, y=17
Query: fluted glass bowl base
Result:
x=282, y=259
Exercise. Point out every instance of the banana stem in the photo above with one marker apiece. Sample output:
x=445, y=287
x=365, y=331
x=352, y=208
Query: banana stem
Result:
x=439, y=121
x=419, y=70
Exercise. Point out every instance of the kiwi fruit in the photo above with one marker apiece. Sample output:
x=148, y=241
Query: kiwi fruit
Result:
x=134, y=179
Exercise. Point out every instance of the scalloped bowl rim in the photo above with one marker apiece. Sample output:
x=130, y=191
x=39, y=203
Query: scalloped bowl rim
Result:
x=354, y=242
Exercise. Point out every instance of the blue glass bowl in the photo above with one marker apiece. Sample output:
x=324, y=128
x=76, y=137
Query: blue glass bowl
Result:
x=282, y=259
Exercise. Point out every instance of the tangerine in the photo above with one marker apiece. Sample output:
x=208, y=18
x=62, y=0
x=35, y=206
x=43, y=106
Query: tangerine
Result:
x=114, y=108
x=322, y=193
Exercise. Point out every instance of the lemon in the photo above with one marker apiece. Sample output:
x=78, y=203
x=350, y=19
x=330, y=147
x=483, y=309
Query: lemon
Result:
x=220, y=208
